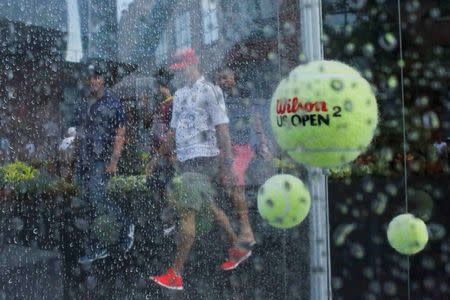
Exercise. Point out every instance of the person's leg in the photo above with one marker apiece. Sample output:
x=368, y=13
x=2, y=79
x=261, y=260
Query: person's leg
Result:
x=223, y=221
x=185, y=240
x=244, y=155
x=95, y=246
x=107, y=208
x=241, y=207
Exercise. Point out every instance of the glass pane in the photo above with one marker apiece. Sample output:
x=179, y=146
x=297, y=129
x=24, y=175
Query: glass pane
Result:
x=405, y=168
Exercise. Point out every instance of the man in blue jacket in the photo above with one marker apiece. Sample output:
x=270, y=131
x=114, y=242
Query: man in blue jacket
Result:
x=100, y=121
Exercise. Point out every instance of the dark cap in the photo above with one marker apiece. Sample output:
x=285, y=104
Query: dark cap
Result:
x=163, y=76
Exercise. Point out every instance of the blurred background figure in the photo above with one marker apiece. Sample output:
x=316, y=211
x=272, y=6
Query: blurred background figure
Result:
x=248, y=137
x=200, y=132
x=4, y=150
x=100, y=120
x=160, y=168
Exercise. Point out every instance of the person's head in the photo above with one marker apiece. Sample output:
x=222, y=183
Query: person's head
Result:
x=163, y=82
x=186, y=66
x=226, y=79
x=96, y=80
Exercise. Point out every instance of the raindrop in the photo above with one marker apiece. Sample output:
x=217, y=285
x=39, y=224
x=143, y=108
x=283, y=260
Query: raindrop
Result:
x=357, y=251
x=272, y=56
x=388, y=41
x=289, y=28
x=422, y=101
x=368, y=273
x=435, y=12
x=337, y=85
x=349, y=48
x=357, y=4
x=429, y=283
x=338, y=283
x=391, y=189
x=348, y=105
x=412, y=6
x=430, y=120
x=368, y=50
x=390, y=288
x=368, y=186
x=428, y=263
x=268, y=31
x=379, y=204
x=341, y=232
x=392, y=82
x=17, y=224
x=436, y=231
x=91, y=282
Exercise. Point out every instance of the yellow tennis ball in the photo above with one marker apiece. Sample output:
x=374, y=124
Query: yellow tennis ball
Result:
x=283, y=201
x=324, y=114
x=407, y=234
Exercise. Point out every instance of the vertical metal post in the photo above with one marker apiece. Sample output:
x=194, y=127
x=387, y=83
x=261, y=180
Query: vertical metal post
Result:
x=320, y=270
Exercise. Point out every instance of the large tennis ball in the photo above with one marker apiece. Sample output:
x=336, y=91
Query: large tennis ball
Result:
x=283, y=201
x=193, y=191
x=324, y=114
x=407, y=234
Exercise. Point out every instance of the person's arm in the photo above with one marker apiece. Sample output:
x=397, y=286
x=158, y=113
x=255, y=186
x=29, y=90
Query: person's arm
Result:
x=218, y=114
x=166, y=148
x=224, y=144
x=119, y=140
x=263, y=148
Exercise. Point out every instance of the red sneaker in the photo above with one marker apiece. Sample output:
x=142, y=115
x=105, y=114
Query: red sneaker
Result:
x=235, y=257
x=169, y=280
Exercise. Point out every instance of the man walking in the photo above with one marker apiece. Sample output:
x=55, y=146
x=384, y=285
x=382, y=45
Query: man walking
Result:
x=100, y=121
x=199, y=121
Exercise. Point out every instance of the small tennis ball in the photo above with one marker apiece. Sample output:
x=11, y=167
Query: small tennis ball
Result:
x=283, y=201
x=193, y=191
x=407, y=234
x=324, y=114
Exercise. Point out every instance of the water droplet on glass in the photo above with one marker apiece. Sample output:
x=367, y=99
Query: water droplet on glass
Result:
x=341, y=232
x=368, y=50
x=435, y=12
x=357, y=251
x=436, y=231
x=388, y=41
x=390, y=288
x=357, y=4
x=392, y=82
x=379, y=204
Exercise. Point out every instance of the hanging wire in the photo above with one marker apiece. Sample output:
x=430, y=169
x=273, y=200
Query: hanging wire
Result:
x=402, y=89
x=281, y=155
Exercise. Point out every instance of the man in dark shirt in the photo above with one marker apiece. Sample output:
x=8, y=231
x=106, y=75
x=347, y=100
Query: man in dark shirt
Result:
x=100, y=121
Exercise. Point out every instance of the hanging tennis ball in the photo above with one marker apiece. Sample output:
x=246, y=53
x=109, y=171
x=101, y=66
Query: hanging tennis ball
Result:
x=193, y=191
x=407, y=234
x=283, y=201
x=324, y=114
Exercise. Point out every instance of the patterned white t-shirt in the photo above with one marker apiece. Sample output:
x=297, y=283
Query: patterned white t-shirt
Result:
x=197, y=110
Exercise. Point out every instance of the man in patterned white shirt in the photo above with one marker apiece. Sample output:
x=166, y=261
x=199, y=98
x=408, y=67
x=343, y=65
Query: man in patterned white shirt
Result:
x=200, y=129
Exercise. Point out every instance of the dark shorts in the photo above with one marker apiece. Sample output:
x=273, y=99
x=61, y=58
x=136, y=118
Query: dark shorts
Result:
x=208, y=166
x=194, y=186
